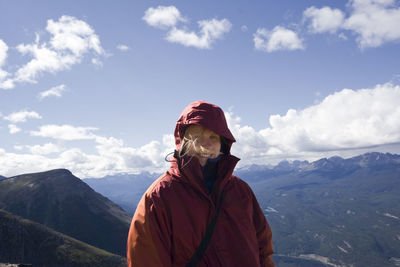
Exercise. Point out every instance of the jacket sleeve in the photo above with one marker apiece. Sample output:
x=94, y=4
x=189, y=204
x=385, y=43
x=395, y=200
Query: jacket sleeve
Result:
x=149, y=242
x=264, y=234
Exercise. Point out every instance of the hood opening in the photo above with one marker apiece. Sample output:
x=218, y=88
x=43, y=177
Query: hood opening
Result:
x=209, y=116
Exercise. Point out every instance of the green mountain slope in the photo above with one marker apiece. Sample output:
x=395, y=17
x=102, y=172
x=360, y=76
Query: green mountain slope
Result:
x=341, y=213
x=63, y=202
x=24, y=241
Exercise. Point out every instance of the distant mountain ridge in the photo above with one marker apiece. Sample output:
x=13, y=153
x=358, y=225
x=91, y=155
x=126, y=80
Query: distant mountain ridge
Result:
x=325, y=164
x=124, y=189
x=24, y=241
x=127, y=189
x=339, y=212
x=59, y=200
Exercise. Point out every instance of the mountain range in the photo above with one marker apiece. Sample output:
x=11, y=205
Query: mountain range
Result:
x=58, y=200
x=330, y=212
x=339, y=212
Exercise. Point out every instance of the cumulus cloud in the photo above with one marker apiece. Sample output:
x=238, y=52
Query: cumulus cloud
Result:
x=373, y=22
x=73, y=35
x=210, y=31
x=65, y=132
x=22, y=116
x=3, y=57
x=150, y=156
x=163, y=16
x=111, y=155
x=17, y=163
x=123, y=47
x=71, y=39
x=346, y=120
x=54, y=91
x=13, y=129
x=168, y=17
x=324, y=19
x=279, y=38
x=3, y=53
x=45, y=149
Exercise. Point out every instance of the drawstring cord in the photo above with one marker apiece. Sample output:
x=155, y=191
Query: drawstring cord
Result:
x=169, y=154
x=175, y=153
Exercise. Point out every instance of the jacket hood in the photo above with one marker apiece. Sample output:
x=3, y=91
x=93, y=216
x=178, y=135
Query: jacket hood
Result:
x=207, y=115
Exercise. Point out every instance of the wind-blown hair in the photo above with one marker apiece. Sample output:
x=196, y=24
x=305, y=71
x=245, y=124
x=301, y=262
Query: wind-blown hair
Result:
x=188, y=141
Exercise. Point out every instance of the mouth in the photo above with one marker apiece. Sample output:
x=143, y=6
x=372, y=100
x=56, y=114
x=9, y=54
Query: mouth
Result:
x=206, y=155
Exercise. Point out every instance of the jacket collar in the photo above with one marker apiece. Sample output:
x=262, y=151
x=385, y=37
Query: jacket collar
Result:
x=188, y=170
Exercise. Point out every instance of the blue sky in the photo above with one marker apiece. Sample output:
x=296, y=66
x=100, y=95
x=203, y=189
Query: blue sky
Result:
x=97, y=86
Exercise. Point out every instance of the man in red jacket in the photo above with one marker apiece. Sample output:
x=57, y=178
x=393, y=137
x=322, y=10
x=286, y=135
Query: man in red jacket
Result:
x=176, y=211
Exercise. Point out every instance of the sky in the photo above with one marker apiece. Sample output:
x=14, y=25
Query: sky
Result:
x=97, y=86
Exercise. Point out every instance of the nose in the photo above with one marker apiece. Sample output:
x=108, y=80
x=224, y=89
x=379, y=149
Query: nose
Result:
x=205, y=142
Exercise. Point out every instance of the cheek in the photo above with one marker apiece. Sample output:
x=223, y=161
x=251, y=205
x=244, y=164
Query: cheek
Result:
x=214, y=147
x=217, y=147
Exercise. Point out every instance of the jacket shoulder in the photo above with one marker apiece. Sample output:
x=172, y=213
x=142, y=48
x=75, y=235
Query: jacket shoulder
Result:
x=237, y=182
x=162, y=186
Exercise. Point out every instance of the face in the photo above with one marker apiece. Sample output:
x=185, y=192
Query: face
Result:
x=205, y=143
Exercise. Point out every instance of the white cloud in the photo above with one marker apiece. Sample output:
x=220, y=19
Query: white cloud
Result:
x=14, y=164
x=54, y=91
x=210, y=31
x=3, y=57
x=150, y=155
x=374, y=22
x=163, y=16
x=111, y=157
x=45, y=149
x=13, y=129
x=346, y=120
x=279, y=38
x=324, y=19
x=3, y=53
x=44, y=60
x=22, y=116
x=249, y=141
x=122, y=47
x=168, y=17
x=18, y=147
x=74, y=35
x=65, y=132
x=70, y=40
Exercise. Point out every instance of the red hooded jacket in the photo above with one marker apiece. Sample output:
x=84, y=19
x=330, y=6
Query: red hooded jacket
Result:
x=172, y=216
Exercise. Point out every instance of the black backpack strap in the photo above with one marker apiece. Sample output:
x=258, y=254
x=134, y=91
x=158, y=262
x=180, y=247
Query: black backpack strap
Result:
x=207, y=236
